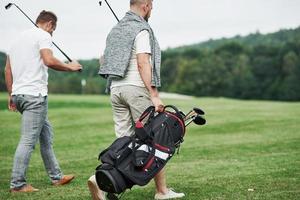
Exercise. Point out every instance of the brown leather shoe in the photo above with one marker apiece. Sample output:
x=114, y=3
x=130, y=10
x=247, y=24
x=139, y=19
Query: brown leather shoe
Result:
x=25, y=188
x=64, y=180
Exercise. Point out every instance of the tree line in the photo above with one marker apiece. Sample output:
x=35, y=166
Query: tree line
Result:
x=253, y=67
x=235, y=70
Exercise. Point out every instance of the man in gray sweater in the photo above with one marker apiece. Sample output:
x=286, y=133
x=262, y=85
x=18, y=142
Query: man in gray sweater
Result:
x=131, y=65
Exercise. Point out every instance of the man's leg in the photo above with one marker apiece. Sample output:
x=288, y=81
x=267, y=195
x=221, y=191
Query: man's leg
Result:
x=139, y=100
x=50, y=161
x=123, y=127
x=32, y=118
x=47, y=152
x=160, y=182
x=121, y=113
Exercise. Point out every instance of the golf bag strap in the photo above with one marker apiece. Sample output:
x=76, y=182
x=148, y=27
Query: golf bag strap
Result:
x=174, y=108
x=148, y=112
x=140, y=132
x=151, y=110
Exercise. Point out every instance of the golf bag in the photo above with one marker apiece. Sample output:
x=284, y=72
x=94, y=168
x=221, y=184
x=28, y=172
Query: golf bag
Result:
x=137, y=159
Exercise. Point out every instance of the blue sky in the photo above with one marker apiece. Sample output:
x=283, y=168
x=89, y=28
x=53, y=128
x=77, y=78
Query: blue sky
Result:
x=83, y=24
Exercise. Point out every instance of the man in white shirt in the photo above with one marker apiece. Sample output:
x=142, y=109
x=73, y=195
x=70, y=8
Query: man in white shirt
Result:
x=136, y=91
x=26, y=76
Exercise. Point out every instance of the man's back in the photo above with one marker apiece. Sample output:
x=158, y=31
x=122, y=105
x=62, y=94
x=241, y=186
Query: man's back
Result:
x=30, y=75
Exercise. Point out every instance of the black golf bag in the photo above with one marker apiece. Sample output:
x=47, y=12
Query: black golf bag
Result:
x=137, y=159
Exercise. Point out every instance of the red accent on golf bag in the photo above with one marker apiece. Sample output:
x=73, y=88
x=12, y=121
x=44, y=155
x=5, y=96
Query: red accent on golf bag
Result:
x=136, y=160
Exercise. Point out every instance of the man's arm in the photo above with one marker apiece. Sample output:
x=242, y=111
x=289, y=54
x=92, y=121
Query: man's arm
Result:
x=145, y=70
x=9, y=82
x=52, y=62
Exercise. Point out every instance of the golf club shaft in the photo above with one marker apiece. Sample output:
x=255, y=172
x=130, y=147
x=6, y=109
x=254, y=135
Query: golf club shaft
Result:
x=190, y=120
x=189, y=115
x=186, y=123
x=112, y=10
x=25, y=14
x=69, y=59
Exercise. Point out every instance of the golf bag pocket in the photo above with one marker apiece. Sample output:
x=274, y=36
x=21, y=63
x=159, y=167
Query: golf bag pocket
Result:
x=142, y=155
x=144, y=165
x=142, y=175
x=109, y=179
x=169, y=130
x=116, y=152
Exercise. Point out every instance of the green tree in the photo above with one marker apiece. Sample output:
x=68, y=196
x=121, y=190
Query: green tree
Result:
x=2, y=66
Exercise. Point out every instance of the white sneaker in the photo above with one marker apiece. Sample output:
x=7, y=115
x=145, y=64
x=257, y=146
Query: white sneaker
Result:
x=169, y=195
x=95, y=191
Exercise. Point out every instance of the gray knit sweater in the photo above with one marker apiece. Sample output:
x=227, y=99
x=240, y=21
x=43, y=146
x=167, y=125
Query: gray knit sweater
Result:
x=119, y=44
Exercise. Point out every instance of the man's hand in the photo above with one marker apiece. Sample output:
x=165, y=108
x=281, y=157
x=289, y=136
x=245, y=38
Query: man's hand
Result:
x=158, y=104
x=74, y=66
x=11, y=105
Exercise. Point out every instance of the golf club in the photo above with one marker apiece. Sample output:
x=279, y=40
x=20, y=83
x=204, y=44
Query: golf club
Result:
x=199, y=120
x=190, y=114
x=199, y=111
x=189, y=120
x=195, y=116
x=11, y=4
x=195, y=110
x=100, y=3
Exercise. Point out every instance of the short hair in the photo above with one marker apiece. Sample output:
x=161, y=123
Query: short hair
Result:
x=46, y=16
x=134, y=2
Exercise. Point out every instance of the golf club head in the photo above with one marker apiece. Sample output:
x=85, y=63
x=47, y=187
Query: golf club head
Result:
x=199, y=111
x=8, y=6
x=199, y=120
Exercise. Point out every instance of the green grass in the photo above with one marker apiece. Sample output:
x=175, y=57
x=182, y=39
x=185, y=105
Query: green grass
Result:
x=245, y=145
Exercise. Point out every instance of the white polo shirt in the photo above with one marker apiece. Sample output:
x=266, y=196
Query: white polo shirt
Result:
x=30, y=74
x=132, y=76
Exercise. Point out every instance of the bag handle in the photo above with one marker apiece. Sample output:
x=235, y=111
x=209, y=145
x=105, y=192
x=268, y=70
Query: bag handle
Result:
x=174, y=108
x=149, y=111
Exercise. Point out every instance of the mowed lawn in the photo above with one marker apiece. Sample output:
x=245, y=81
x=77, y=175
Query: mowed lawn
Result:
x=247, y=150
